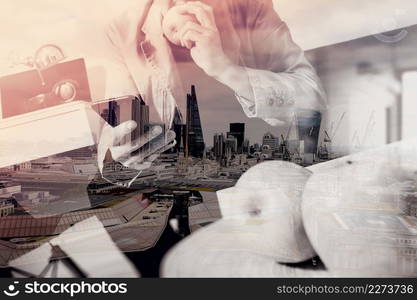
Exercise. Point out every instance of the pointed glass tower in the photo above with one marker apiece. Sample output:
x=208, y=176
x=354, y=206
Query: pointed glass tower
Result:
x=195, y=140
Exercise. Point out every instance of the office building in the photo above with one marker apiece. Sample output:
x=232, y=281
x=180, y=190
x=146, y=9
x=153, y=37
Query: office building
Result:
x=218, y=146
x=112, y=113
x=270, y=141
x=308, y=125
x=294, y=146
x=238, y=131
x=140, y=114
x=6, y=207
x=180, y=137
x=195, y=141
x=231, y=144
x=246, y=146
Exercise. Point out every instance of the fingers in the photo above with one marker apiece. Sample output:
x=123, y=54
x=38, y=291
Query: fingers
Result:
x=201, y=11
x=145, y=156
x=151, y=150
x=122, y=131
x=148, y=161
x=191, y=26
x=198, y=12
x=120, y=152
x=193, y=37
x=209, y=11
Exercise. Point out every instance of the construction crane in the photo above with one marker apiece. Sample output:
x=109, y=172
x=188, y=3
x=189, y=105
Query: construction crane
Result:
x=325, y=149
x=369, y=127
x=284, y=149
x=357, y=143
x=297, y=157
x=286, y=155
x=328, y=138
x=293, y=121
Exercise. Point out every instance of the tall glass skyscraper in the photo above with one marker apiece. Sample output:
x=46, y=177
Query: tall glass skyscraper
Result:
x=195, y=140
x=112, y=113
x=140, y=114
x=238, y=131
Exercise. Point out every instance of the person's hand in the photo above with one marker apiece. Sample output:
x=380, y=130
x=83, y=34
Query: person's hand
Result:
x=138, y=154
x=193, y=26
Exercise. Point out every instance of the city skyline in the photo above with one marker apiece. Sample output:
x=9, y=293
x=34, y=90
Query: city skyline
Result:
x=213, y=120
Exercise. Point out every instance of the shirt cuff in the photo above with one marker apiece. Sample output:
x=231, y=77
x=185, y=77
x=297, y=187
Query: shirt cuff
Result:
x=273, y=100
x=274, y=97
